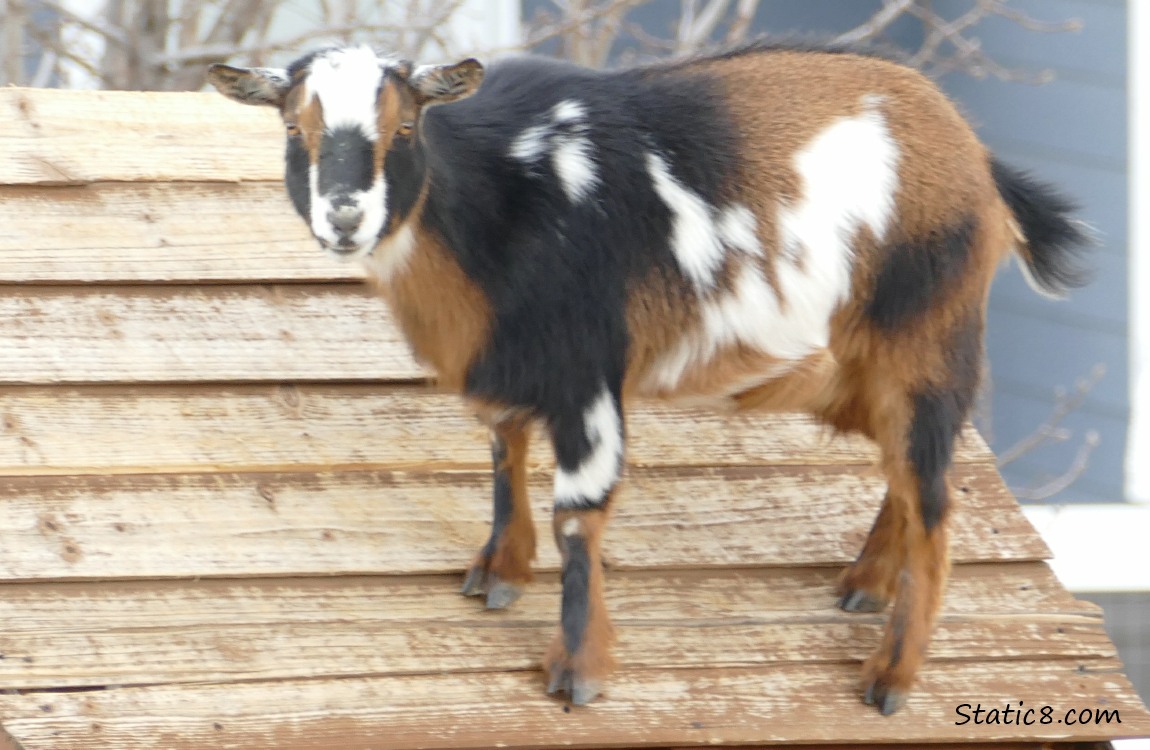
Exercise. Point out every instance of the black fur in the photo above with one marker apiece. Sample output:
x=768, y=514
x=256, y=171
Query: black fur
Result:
x=501, y=496
x=1056, y=242
x=345, y=163
x=556, y=272
x=939, y=414
x=576, y=593
x=915, y=274
x=297, y=160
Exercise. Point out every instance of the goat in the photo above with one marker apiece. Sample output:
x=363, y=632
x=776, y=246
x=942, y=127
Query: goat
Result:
x=772, y=227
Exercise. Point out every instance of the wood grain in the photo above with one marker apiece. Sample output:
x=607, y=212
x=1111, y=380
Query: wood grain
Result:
x=55, y=137
x=161, y=429
x=167, y=632
x=411, y=522
x=159, y=232
x=782, y=703
x=180, y=334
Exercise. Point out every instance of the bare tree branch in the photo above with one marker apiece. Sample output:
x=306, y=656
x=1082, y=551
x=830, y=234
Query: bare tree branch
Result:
x=1051, y=429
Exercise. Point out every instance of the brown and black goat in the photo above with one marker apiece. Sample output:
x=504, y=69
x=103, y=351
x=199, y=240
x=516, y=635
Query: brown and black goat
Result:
x=772, y=228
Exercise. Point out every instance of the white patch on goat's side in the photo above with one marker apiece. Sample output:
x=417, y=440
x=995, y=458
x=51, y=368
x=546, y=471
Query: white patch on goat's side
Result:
x=694, y=238
x=736, y=229
x=568, y=110
x=572, y=161
x=849, y=175
x=591, y=481
x=390, y=256
x=346, y=81
x=530, y=144
x=571, y=150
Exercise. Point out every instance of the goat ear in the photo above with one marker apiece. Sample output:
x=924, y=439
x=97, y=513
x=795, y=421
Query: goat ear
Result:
x=262, y=86
x=440, y=84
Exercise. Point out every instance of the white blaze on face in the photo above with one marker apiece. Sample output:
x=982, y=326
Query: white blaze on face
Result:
x=346, y=83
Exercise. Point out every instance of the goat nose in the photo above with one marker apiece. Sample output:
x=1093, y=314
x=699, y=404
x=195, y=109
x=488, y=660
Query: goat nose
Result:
x=345, y=219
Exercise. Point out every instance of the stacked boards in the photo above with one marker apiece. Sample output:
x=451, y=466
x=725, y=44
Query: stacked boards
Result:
x=234, y=513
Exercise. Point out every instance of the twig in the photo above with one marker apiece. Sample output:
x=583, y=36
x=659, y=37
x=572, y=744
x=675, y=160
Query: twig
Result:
x=1067, y=478
x=890, y=12
x=1050, y=429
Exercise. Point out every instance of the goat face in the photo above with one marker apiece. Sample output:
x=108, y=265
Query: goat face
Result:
x=355, y=166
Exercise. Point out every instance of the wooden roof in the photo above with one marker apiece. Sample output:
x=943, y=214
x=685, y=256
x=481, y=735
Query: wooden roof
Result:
x=235, y=516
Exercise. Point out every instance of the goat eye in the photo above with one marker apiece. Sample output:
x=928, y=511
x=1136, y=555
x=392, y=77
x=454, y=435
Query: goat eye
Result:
x=405, y=128
x=292, y=128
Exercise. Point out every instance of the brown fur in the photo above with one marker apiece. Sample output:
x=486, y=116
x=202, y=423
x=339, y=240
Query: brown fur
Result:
x=515, y=550
x=443, y=315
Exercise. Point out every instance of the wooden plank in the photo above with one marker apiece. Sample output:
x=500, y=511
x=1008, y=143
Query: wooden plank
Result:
x=793, y=703
x=158, y=232
x=403, y=522
x=137, y=334
x=54, y=137
x=165, y=632
x=326, y=428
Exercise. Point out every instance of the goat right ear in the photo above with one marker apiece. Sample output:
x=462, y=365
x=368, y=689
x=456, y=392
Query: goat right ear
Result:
x=262, y=86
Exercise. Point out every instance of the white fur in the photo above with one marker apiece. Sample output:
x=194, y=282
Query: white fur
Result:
x=572, y=161
x=390, y=256
x=571, y=150
x=694, y=237
x=530, y=144
x=346, y=81
x=849, y=176
x=600, y=469
x=373, y=204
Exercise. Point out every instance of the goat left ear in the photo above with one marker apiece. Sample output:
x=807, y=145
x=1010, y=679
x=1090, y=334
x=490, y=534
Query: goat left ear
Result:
x=440, y=84
x=264, y=86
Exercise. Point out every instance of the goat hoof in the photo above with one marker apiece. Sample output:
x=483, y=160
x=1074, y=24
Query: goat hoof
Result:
x=501, y=594
x=475, y=584
x=861, y=601
x=581, y=691
x=883, y=697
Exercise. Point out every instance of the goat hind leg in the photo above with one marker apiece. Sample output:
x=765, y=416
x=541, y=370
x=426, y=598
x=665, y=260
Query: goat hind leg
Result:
x=869, y=583
x=917, y=465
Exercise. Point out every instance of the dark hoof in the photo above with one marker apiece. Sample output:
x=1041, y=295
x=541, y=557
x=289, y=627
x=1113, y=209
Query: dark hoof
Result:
x=860, y=601
x=475, y=584
x=501, y=594
x=581, y=691
x=887, y=700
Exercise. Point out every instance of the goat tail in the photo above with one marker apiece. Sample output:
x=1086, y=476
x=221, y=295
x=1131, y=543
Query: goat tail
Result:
x=1051, y=243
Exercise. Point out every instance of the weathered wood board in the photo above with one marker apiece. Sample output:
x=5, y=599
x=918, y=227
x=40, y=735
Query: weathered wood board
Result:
x=51, y=137
x=286, y=427
x=413, y=523
x=176, y=334
x=241, y=630
x=159, y=232
x=644, y=707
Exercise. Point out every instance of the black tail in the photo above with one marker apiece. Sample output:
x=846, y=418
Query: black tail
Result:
x=1053, y=243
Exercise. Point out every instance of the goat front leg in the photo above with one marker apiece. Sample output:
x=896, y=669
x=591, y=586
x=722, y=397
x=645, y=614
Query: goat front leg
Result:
x=589, y=461
x=503, y=566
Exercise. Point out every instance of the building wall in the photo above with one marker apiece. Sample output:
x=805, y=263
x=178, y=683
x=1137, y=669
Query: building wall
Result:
x=1072, y=131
